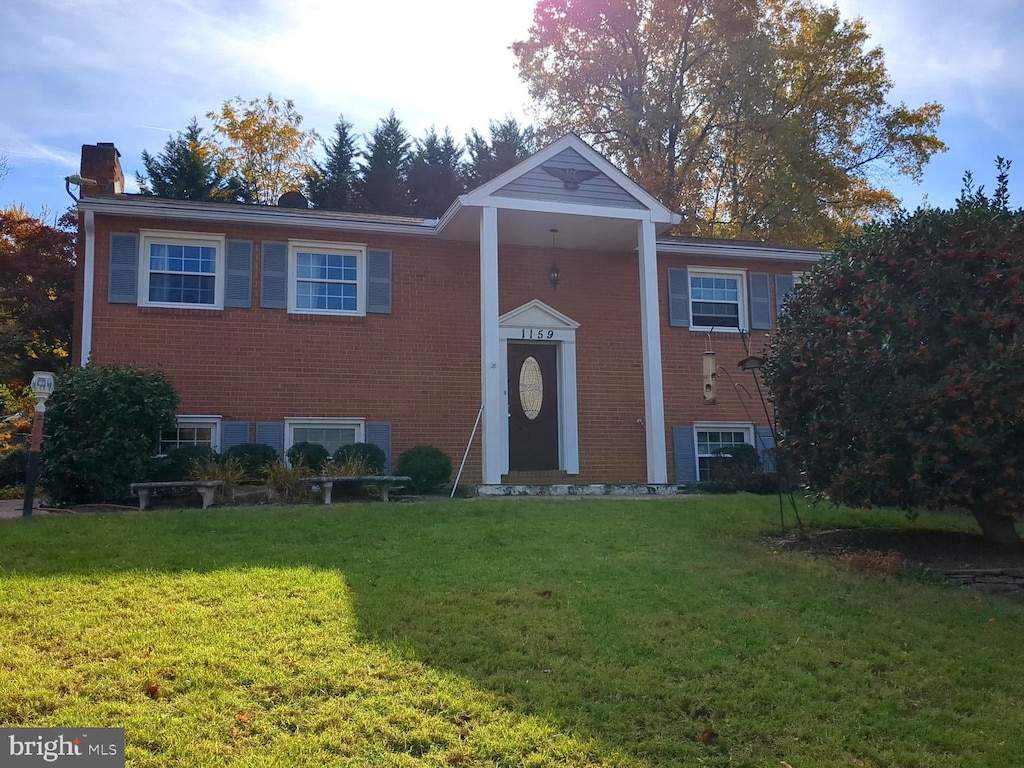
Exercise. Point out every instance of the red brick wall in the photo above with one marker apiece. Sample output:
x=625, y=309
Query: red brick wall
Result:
x=419, y=366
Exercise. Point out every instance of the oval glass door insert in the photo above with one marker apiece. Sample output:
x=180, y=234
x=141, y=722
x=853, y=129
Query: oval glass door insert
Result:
x=531, y=388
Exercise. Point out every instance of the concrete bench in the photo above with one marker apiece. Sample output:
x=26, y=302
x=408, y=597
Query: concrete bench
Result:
x=206, y=489
x=383, y=482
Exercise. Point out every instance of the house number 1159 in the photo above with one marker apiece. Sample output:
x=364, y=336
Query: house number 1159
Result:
x=533, y=333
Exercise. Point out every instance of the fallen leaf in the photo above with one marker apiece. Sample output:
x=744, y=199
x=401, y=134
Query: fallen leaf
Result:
x=857, y=762
x=153, y=691
x=709, y=737
x=544, y=593
x=242, y=717
x=784, y=764
x=991, y=621
x=835, y=664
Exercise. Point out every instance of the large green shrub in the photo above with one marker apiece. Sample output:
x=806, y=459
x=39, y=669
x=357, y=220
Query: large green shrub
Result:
x=310, y=454
x=898, y=369
x=253, y=457
x=101, y=425
x=427, y=466
x=371, y=455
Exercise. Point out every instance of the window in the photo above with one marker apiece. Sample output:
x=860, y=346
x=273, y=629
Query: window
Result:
x=327, y=278
x=718, y=300
x=192, y=430
x=330, y=433
x=181, y=269
x=712, y=437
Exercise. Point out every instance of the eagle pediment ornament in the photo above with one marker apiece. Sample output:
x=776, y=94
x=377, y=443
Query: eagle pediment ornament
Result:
x=571, y=178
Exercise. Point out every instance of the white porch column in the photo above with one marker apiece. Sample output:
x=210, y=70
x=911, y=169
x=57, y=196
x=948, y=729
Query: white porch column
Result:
x=493, y=430
x=650, y=328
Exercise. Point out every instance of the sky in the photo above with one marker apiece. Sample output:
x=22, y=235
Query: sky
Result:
x=76, y=72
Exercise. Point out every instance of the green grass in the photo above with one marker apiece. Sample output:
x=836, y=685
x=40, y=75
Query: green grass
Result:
x=490, y=633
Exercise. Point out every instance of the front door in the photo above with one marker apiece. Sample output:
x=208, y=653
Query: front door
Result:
x=532, y=406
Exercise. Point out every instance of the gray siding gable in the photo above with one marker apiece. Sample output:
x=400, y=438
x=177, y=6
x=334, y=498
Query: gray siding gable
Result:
x=538, y=184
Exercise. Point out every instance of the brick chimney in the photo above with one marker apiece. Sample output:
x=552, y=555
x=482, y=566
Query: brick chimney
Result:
x=100, y=163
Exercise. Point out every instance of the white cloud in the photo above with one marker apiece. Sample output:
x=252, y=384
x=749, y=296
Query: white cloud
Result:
x=20, y=149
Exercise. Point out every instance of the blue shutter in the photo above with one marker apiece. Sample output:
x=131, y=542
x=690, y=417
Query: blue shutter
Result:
x=760, y=302
x=685, y=454
x=271, y=433
x=274, y=276
x=765, y=444
x=124, y=269
x=783, y=287
x=679, y=298
x=233, y=433
x=238, y=272
x=379, y=433
x=378, y=289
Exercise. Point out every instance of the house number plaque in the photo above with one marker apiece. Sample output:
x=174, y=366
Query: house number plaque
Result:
x=537, y=333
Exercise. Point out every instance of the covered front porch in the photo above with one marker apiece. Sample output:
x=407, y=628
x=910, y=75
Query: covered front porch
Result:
x=564, y=198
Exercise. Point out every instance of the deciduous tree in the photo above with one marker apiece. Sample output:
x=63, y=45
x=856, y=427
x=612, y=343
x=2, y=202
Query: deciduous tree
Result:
x=189, y=168
x=760, y=119
x=898, y=369
x=37, y=281
x=264, y=144
x=332, y=184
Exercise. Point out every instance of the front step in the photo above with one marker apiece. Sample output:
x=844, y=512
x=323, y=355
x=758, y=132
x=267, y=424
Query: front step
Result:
x=570, y=489
x=535, y=477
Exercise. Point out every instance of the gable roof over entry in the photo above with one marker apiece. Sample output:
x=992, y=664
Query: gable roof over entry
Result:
x=567, y=187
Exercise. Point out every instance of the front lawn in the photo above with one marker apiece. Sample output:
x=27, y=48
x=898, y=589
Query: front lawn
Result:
x=507, y=633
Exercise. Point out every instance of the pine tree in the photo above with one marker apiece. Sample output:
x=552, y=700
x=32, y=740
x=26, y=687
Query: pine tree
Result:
x=509, y=144
x=384, y=176
x=435, y=174
x=188, y=169
x=331, y=185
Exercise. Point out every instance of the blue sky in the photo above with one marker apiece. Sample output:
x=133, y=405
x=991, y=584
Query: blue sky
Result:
x=131, y=71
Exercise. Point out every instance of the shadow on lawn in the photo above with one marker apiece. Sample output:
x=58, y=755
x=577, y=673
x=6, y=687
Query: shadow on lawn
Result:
x=624, y=627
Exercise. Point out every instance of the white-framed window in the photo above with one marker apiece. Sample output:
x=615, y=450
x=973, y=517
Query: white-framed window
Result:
x=326, y=278
x=710, y=437
x=331, y=433
x=718, y=299
x=192, y=430
x=181, y=269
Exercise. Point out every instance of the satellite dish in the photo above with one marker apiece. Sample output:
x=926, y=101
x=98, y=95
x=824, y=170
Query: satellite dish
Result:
x=293, y=200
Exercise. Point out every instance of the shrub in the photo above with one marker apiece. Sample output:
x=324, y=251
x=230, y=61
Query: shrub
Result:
x=101, y=424
x=371, y=455
x=285, y=481
x=253, y=458
x=428, y=467
x=178, y=463
x=12, y=492
x=896, y=369
x=13, y=463
x=310, y=454
x=354, y=466
x=228, y=471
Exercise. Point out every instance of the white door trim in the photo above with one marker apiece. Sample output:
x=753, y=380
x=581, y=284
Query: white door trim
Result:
x=536, y=317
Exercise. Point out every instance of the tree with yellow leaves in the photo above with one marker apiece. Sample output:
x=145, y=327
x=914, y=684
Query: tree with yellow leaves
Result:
x=263, y=144
x=758, y=119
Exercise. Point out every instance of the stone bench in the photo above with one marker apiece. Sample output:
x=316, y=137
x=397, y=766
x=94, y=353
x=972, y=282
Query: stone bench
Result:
x=383, y=482
x=206, y=489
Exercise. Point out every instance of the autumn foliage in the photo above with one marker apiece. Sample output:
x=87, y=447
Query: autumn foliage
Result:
x=898, y=370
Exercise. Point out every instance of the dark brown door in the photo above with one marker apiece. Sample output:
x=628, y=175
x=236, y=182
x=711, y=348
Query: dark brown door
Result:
x=532, y=406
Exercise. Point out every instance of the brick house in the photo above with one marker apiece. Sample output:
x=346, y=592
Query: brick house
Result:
x=281, y=324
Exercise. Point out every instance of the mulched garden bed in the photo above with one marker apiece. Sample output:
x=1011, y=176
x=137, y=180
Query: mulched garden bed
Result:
x=962, y=558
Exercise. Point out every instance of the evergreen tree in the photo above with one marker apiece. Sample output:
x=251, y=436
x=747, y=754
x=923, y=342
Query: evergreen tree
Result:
x=188, y=169
x=384, y=174
x=509, y=144
x=331, y=185
x=435, y=174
